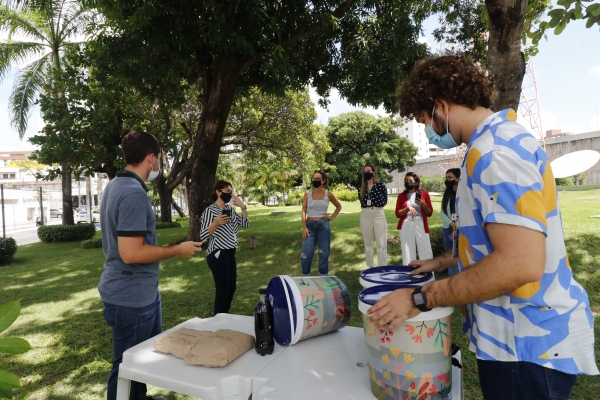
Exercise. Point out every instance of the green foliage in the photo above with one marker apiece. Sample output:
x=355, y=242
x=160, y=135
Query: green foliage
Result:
x=568, y=181
x=166, y=225
x=346, y=194
x=433, y=183
x=8, y=248
x=294, y=198
x=66, y=233
x=177, y=219
x=9, y=381
x=578, y=188
x=357, y=138
x=94, y=243
x=567, y=11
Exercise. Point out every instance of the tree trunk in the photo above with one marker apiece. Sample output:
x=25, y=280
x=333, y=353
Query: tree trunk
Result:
x=217, y=100
x=165, y=195
x=67, y=198
x=177, y=208
x=505, y=59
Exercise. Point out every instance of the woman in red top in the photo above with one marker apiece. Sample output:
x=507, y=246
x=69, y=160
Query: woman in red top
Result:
x=413, y=207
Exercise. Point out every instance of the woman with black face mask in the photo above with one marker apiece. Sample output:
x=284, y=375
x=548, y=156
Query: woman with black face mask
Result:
x=315, y=223
x=413, y=207
x=219, y=225
x=373, y=197
x=448, y=212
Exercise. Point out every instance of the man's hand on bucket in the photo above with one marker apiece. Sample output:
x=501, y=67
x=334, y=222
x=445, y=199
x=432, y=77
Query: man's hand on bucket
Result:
x=393, y=309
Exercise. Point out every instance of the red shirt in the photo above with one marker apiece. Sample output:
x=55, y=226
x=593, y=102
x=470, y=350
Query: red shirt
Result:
x=402, y=203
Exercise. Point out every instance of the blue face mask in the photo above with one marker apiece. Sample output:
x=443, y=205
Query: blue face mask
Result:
x=445, y=141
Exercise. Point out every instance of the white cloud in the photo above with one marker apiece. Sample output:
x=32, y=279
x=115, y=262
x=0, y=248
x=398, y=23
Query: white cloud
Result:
x=595, y=71
x=573, y=129
x=595, y=123
x=338, y=106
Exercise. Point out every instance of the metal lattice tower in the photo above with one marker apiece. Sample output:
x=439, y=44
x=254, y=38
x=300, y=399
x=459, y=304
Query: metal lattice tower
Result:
x=529, y=105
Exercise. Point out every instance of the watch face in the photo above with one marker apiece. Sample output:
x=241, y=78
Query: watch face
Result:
x=419, y=299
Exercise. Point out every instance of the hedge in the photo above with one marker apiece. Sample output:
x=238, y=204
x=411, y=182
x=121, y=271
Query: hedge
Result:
x=346, y=195
x=66, y=233
x=8, y=248
x=94, y=243
x=433, y=183
x=165, y=225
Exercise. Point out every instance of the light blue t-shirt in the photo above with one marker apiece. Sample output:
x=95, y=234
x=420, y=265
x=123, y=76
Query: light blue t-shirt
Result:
x=125, y=210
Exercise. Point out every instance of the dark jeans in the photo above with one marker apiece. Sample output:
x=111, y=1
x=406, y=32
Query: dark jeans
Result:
x=319, y=233
x=130, y=326
x=224, y=272
x=447, y=238
x=523, y=381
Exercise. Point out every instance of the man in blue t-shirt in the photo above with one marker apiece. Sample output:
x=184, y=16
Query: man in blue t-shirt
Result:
x=527, y=319
x=129, y=284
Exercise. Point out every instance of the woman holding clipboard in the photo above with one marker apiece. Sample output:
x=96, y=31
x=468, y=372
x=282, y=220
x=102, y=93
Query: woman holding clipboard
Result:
x=413, y=207
x=219, y=225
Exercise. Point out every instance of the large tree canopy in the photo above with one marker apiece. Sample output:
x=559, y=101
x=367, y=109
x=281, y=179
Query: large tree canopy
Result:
x=357, y=138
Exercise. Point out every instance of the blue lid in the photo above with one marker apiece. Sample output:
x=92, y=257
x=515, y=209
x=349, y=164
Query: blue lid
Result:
x=281, y=315
x=393, y=274
x=371, y=295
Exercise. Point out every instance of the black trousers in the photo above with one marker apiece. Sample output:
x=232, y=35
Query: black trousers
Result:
x=224, y=272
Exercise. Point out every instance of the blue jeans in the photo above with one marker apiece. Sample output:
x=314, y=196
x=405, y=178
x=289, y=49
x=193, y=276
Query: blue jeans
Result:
x=447, y=238
x=319, y=233
x=130, y=326
x=523, y=381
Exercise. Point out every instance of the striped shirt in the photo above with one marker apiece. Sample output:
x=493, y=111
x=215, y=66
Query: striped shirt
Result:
x=225, y=236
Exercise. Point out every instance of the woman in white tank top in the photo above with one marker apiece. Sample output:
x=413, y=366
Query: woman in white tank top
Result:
x=315, y=223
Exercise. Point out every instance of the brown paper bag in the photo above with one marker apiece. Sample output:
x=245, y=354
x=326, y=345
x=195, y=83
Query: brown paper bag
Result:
x=180, y=342
x=220, y=348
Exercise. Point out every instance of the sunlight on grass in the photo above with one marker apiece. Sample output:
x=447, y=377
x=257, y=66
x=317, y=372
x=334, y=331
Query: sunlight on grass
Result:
x=62, y=311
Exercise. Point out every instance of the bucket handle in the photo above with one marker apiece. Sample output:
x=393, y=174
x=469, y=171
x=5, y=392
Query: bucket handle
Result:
x=299, y=309
x=287, y=297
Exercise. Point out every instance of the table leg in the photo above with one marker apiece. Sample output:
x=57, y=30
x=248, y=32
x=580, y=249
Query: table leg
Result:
x=123, y=386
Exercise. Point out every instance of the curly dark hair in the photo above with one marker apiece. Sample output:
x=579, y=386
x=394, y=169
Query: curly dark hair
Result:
x=453, y=78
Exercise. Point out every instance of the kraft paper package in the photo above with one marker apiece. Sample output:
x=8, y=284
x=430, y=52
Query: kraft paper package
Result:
x=220, y=348
x=180, y=342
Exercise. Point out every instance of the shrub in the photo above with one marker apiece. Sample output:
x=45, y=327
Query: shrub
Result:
x=165, y=225
x=11, y=345
x=66, y=233
x=344, y=193
x=8, y=248
x=94, y=243
x=437, y=242
x=177, y=219
x=568, y=181
x=294, y=198
x=433, y=183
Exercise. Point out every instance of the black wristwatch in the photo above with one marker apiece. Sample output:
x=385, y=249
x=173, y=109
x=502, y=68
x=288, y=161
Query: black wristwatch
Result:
x=419, y=300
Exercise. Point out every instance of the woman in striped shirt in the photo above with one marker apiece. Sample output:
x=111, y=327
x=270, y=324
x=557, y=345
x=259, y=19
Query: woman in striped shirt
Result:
x=219, y=225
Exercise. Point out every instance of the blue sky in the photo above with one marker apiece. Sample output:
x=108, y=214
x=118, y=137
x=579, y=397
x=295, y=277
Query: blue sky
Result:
x=567, y=71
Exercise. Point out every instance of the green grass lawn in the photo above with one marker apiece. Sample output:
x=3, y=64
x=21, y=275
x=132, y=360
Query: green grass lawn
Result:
x=62, y=311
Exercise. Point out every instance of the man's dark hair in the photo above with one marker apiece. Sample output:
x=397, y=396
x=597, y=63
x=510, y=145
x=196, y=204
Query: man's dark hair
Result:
x=137, y=145
x=453, y=78
x=218, y=186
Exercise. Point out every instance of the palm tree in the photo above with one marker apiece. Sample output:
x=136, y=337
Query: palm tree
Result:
x=38, y=35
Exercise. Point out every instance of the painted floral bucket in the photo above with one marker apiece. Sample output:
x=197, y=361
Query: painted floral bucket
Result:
x=307, y=306
x=393, y=275
x=413, y=361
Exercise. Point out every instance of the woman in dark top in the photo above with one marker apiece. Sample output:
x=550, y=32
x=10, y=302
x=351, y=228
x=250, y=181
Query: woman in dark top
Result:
x=219, y=225
x=448, y=212
x=373, y=197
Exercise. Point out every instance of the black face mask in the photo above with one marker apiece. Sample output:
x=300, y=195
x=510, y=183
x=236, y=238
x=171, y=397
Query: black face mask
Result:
x=226, y=197
x=368, y=175
x=449, y=184
x=409, y=185
x=316, y=184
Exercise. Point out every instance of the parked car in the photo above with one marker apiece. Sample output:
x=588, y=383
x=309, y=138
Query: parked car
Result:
x=55, y=212
x=81, y=216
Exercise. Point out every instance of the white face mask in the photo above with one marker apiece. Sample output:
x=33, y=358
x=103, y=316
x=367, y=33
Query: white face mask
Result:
x=153, y=174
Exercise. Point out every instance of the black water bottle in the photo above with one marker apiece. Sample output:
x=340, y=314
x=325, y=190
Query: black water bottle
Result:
x=263, y=325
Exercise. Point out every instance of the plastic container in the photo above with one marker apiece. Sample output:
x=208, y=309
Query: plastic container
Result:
x=393, y=275
x=412, y=360
x=263, y=325
x=304, y=307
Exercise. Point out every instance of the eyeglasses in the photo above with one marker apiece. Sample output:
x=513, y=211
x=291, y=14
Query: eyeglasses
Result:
x=230, y=191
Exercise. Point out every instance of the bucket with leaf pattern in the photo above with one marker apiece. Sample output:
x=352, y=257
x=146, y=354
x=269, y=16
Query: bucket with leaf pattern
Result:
x=412, y=361
x=307, y=306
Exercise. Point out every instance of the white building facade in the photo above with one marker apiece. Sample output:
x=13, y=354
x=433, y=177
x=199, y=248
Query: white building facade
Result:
x=415, y=133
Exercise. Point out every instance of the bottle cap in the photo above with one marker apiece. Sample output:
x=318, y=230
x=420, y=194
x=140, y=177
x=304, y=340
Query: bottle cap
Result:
x=262, y=291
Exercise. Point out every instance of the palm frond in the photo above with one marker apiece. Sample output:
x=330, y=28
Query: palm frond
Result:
x=15, y=53
x=21, y=23
x=28, y=84
x=75, y=22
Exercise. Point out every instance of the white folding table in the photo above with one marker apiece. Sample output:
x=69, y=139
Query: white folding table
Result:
x=323, y=367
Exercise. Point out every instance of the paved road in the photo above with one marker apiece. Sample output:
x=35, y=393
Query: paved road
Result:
x=28, y=234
